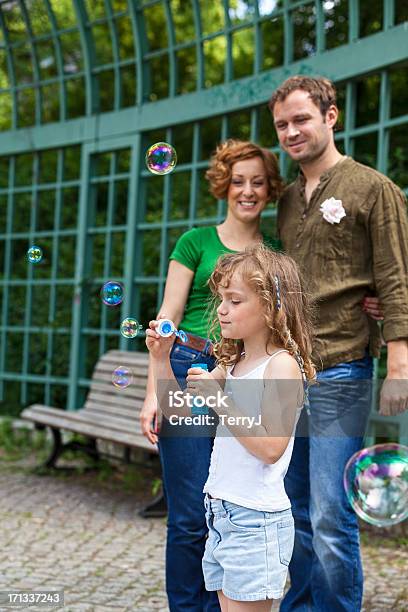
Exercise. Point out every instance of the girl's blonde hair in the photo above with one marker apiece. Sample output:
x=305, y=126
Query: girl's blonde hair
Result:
x=276, y=280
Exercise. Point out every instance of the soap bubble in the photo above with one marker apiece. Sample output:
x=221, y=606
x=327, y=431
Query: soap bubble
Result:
x=112, y=293
x=34, y=254
x=122, y=377
x=376, y=483
x=161, y=158
x=130, y=327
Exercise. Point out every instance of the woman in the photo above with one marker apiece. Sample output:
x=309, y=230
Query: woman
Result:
x=247, y=176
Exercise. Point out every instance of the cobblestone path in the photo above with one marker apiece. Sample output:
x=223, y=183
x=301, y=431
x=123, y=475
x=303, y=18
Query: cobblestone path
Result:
x=63, y=533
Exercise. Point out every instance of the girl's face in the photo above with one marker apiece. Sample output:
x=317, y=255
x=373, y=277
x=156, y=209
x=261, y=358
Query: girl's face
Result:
x=248, y=190
x=241, y=312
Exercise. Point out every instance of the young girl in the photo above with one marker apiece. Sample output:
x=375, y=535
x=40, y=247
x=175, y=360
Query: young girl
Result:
x=263, y=361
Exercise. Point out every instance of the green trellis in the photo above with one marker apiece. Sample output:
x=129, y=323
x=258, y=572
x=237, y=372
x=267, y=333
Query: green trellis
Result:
x=87, y=85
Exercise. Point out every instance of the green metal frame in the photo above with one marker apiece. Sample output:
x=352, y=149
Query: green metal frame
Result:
x=238, y=104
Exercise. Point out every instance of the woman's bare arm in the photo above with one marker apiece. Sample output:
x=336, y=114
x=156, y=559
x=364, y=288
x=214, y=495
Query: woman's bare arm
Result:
x=177, y=289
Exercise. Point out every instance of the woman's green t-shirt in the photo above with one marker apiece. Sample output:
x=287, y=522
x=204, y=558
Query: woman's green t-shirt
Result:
x=199, y=249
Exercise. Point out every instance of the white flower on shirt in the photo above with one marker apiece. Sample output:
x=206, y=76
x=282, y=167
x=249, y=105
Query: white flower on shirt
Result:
x=333, y=210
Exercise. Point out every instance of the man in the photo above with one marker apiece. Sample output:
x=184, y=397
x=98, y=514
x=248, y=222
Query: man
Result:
x=346, y=226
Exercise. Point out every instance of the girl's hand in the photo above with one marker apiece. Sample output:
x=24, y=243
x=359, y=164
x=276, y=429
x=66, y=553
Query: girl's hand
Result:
x=159, y=347
x=200, y=382
x=371, y=305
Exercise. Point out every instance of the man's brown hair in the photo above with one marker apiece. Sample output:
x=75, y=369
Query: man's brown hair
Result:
x=321, y=90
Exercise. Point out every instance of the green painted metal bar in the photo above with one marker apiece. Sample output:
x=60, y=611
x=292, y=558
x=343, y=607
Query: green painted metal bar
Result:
x=341, y=64
x=221, y=204
x=258, y=55
x=383, y=139
x=81, y=264
x=44, y=82
x=117, y=100
x=54, y=273
x=59, y=61
x=254, y=128
x=34, y=59
x=350, y=117
x=173, y=77
x=140, y=279
x=35, y=329
x=44, y=37
x=30, y=279
x=288, y=38
x=88, y=51
x=11, y=73
x=192, y=207
x=108, y=243
x=32, y=378
x=229, y=63
x=42, y=187
x=44, y=282
x=131, y=304
x=319, y=25
x=389, y=13
x=164, y=238
x=140, y=45
x=7, y=273
x=353, y=20
x=198, y=44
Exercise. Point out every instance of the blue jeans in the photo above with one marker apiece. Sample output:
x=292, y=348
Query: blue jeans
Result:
x=185, y=464
x=325, y=570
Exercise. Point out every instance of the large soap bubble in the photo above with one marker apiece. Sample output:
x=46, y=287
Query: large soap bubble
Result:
x=122, y=377
x=112, y=293
x=129, y=328
x=376, y=483
x=161, y=158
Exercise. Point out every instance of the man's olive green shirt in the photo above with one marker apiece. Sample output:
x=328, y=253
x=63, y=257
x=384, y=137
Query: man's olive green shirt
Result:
x=365, y=253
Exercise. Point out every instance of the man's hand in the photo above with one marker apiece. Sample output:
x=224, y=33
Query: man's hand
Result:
x=372, y=306
x=394, y=396
x=394, y=392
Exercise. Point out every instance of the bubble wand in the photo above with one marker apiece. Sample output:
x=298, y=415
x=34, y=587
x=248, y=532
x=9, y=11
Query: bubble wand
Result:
x=166, y=328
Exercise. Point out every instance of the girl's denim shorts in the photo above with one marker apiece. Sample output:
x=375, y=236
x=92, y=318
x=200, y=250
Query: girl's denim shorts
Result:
x=247, y=552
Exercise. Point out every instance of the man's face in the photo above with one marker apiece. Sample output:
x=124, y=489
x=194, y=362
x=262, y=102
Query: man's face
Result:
x=302, y=130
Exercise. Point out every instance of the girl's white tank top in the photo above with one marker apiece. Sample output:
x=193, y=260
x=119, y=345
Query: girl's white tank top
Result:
x=236, y=475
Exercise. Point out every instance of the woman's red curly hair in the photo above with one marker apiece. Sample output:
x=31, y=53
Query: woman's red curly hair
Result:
x=231, y=151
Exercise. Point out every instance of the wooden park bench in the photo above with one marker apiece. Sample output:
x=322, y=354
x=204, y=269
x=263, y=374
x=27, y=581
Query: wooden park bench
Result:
x=109, y=413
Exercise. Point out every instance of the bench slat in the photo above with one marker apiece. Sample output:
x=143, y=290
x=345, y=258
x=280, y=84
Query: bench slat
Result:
x=130, y=391
x=88, y=429
x=123, y=413
x=97, y=397
x=126, y=425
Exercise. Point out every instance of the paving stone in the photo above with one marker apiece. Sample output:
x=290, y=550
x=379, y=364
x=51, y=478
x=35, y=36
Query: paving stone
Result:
x=57, y=533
